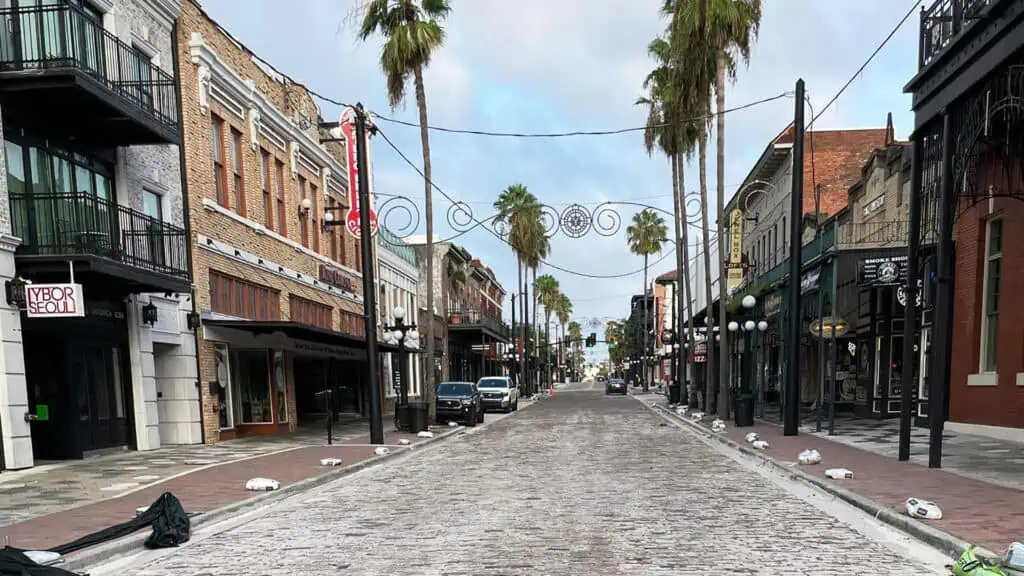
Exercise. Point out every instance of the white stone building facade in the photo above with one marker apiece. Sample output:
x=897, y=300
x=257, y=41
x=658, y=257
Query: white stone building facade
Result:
x=98, y=206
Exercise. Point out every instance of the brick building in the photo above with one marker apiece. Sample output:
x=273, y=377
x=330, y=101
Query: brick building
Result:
x=97, y=347
x=279, y=294
x=969, y=141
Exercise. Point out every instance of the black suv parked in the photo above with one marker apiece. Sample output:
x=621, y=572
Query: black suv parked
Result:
x=459, y=402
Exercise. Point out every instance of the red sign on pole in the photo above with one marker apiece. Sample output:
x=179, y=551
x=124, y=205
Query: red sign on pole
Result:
x=348, y=130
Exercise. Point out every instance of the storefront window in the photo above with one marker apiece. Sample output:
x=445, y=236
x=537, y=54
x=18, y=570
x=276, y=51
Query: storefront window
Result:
x=251, y=381
x=282, y=386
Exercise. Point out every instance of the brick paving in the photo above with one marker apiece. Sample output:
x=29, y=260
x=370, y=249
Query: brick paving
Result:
x=581, y=483
x=199, y=491
x=54, y=487
x=978, y=512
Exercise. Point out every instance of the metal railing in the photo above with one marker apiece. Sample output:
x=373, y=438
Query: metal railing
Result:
x=943, y=22
x=878, y=234
x=81, y=223
x=62, y=36
x=473, y=318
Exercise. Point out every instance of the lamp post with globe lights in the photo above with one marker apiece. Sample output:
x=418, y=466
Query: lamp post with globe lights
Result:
x=404, y=336
x=746, y=322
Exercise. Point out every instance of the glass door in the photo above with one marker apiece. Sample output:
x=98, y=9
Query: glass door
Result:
x=922, y=373
x=101, y=399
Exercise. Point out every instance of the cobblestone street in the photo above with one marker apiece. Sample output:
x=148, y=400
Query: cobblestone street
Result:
x=577, y=484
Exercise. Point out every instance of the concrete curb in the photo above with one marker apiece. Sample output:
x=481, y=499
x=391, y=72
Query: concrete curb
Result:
x=943, y=541
x=81, y=561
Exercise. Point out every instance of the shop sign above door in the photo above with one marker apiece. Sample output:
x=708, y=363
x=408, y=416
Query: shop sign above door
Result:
x=54, y=301
x=888, y=271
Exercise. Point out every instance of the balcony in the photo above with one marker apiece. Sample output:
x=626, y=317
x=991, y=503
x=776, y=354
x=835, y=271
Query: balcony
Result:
x=62, y=74
x=943, y=22
x=472, y=320
x=877, y=234
x=115, y=241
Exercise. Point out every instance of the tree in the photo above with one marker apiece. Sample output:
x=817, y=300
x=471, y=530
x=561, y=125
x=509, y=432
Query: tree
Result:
x=575, y=337
x=564, y=311
x=456, y=276
x=547, y=290
x=412, y=33
x=670, y=128
x=723, y=30
x=519, y=211
x=645, y=236
x=538, y=247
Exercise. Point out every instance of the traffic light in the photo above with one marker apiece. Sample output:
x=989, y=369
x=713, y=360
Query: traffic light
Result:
x=592, y=340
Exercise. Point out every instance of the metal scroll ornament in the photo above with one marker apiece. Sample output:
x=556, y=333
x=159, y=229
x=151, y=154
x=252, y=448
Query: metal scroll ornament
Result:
x=575, y=221
x=399, y=216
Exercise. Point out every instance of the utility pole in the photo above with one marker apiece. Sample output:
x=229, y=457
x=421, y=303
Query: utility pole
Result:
x=369, y=293
x=791, y=389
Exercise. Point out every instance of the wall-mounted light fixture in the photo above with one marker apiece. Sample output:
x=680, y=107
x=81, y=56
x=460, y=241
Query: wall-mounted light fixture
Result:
x=149, y=314
x=15, y=290
x=192, y=320
x=305, y=206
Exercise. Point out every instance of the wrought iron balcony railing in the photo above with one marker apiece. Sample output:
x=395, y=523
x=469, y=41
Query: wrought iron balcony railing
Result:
x=82, y=223
x=878, y=234
x=62, y=36
x=943, y=22
x=474, y=319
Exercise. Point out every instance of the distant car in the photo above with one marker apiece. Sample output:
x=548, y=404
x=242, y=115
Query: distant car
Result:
x=459, y=402
x=615, y=386
x=601, y=379
x=498, y=393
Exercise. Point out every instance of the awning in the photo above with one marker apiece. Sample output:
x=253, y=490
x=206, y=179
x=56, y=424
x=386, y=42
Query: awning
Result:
x=300, y=332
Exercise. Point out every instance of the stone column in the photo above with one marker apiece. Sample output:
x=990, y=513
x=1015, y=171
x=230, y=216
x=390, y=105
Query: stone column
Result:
x=15, y=432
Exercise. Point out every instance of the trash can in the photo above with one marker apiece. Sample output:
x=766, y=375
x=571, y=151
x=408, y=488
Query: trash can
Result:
x=674, y=393
x=402, y=416
x=419, y=413
x=743, y=409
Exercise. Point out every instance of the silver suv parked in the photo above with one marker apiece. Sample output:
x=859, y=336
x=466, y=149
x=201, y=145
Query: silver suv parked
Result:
x=498, y=393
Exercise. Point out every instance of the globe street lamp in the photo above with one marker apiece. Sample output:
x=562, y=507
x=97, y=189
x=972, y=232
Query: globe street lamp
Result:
x=402, y=335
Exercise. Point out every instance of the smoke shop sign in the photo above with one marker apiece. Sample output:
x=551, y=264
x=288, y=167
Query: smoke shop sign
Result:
x=889, y=271
x=54, y=301
x=335, y=277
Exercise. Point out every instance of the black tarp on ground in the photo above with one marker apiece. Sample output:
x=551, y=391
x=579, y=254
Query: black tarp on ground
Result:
x=13, y=562
x=171, y=527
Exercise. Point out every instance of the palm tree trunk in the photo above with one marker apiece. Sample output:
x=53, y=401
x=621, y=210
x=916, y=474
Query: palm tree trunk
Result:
x=643, y=357
x=428, y=208
x=677, y=216
x=709, y=379
x=723, y=364
x=547, y=342
x=534, y=334
x=522, y=316
x=685, y=292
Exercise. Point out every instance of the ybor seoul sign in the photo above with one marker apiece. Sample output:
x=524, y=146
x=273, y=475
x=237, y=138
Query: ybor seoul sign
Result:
x=54, y=301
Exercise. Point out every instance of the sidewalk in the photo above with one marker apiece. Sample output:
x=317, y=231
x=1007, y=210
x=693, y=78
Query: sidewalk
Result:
x=202, y=490
x=974, y=511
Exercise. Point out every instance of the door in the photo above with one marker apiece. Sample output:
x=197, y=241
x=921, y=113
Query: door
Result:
x=922, y=372
x=98, y=388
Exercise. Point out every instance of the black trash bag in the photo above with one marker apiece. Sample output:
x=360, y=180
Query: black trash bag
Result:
x=14, y=562
x=171, y=527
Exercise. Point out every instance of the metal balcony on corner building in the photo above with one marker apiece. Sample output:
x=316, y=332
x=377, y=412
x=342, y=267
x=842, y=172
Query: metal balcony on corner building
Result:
x=473, y=344
x=968, y=103
x=73, y=95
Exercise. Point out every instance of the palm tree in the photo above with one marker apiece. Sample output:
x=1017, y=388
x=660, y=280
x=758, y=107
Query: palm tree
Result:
x=645, y=236
x=724, y=29
x=575, y=337
x=412, y=33
x=547, y=290
x=517, y=208
x=563, y=310
x=539, y=245
x=669, y=107
x=456, y=276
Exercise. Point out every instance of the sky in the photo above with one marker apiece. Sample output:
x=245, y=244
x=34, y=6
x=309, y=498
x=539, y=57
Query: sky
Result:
x=530, y=66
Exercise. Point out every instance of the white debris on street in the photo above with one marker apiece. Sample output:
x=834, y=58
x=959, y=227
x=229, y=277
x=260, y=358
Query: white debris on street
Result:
x=809, y=457
x=750, y=437
x=923, y=509
x=404, y=441
x=330, y=461
x=262, y=484
x=381, y=450
x=425, y=434
x=839, y=473
x=760, y=444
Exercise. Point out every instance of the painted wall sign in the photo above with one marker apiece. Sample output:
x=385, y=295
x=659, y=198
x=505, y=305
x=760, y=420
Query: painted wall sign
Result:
x=734, y=274
x=348, y=130
x=810, y=281
x=772, y=304
x=54, y=301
